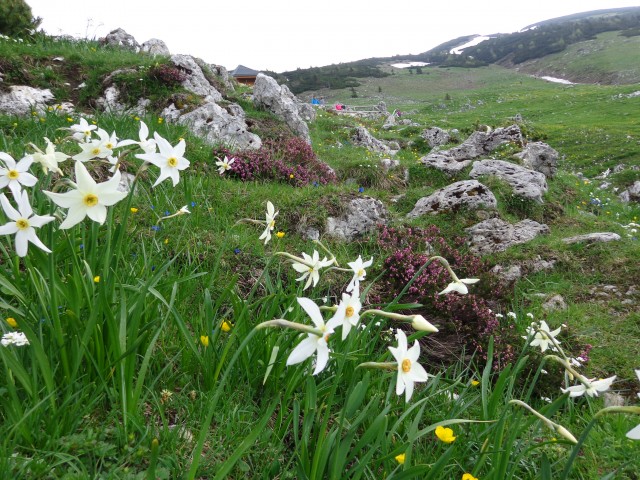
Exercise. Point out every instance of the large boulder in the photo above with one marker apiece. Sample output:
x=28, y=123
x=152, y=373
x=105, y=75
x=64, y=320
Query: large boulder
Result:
x=218, y=125
x=478, y=144
x=362, y=138
x=21, y=100
x=120, y=38
x=469, y=194
x=496, y=235
x=540, y=157
x=361, y=215
x=155, y=47
x=436, y=136
x=195, y=81
x=525, y=183
x=281, y=102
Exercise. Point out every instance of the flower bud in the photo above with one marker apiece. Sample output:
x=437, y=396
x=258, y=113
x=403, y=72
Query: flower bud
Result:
x=421, y=324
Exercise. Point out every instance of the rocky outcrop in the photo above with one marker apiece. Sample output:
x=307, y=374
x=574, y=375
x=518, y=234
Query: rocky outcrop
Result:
x=631, y=194
x=496, y=235
x=155, y=47
x=196, y=82
x=469, y=194
x=435, y=136
x=361, y=215
x=362, y=138
x=478, y=144
x=21, y=100
x=540, y=157
x=525, y=183
x=599, y=237
x=218, y=125
x=120, y=38
x=281, y=102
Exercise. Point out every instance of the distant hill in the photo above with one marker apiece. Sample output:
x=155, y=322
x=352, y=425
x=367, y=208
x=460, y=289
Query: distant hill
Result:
x=523, y=50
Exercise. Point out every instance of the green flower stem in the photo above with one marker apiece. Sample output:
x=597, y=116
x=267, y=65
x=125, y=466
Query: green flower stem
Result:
x=379, y=365
x=634, y=410
x=393, y=316
x=550, y=424
x=294, y=258
x=333, y=257
x=281, y=322
x=581, y=378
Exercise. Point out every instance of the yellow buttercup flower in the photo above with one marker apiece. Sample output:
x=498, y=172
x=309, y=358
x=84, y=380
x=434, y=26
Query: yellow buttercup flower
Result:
x=204, y=340
x=280, y=234
x=12, y=322
x=445, y=434
x=475, y=383
x=468, y=476
x=96, y=279
x=166, y=241
x=400, y=458
x=134, y=210
x=291, y=175
x=225, y=326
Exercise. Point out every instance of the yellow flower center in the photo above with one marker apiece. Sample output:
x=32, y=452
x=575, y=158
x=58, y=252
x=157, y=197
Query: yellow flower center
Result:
x=13, y=174
x=172, y=162
x=90, y=200
x=95, y=151
x=22, y=223
x=109, y=145
x=406, y=365
x=87, y=133
x=272, y=224
x=350, y=311
x=361, y=272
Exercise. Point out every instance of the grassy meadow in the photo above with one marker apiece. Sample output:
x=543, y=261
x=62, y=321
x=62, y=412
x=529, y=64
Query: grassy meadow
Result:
x=144, y=360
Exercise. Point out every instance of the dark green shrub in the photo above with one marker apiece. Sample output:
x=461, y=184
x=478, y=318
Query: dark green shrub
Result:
x=16, y=19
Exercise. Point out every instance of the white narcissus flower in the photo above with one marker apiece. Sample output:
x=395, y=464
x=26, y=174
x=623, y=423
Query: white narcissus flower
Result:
x=313, y=343
x=271, y=223
x=348, y=313
x=82, y=131
x=459, y=286
x=16, y=175
x=311, y=271
x=634, y=433
x=224, y=164
x=359, y=271
x=49, y=159
x=14, y=338
x=409, y=370
x=89, y=198
x=591, y=387
x=542, y=336
x=147, y=144
x=170, y=160
x=102, y=148
x=23, y=223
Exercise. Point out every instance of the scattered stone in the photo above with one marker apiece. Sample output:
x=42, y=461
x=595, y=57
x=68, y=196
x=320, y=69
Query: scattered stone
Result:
x=468, y=193
x=556, y=302
x=281, y=102
x=435, y=136
x=390, y=122
x=363, y=138
x=478, y=144
x=538, y=264
x=631, y=194
x=496, y=235
x=388, y=164
x=155, y=47
x=362, y=214
x=507, y=276
x=540, y=157
x=613, y=399
x=120, y=38
x=196, y=82
x=525, y=183
x=600, y=237
x=216, y=124
x=21, y=100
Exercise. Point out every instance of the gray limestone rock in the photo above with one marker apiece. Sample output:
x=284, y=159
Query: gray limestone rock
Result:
x=525, y=183
x=556, y=302
x=470, y=194
x=631, y=194
x=540, y=157
x=435, y=136
x=362, y=214
x=496, y=235
x=120, y=38
x=21, y=100
x=599, y=237
x=155, y=47
x=196, y=82
x=361, y=137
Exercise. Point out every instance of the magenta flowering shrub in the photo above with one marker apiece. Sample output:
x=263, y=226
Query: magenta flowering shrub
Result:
x=167, y=74
x=291, y=160
x=468, y=316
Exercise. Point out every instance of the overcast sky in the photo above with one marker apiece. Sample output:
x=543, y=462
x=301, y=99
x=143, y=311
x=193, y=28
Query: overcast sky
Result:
x=282, y=35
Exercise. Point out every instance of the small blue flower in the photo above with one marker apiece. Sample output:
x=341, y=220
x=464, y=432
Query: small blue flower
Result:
x=361, y=189
x=193, y=204
x=236, y=251
x=167, y=213
x=82, y=246
x=315, y=184
x=155, y=228
x=152, y=207
x=153, y=267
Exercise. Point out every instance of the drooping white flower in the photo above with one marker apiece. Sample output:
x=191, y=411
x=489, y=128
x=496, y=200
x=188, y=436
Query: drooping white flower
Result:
x=409, y=370
x=359, y=272
x=14, y=174
x=147, y=144
x=348, y=313
x=590, y=386
x=82, y=131
x=313, y=343
x=18, y=339
x=89, y=198
x=270, y=221
x=459, y=285
x=542, y=336
x=224, y=164
x=49, y=159
x=311, y=270
x=23, y=223
x=170, y=160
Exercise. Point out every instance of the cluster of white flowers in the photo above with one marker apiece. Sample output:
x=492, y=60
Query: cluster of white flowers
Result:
x=86, y=198
x=18, y=339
